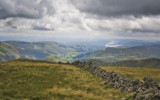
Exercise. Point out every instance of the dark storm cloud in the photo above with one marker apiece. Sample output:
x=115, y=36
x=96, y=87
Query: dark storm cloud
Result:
x=145, y=31
x=118, y=7
x=42, y=28
x=33, y=9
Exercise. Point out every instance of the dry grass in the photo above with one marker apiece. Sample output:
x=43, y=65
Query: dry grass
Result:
x=47, y=81
x=25, y=64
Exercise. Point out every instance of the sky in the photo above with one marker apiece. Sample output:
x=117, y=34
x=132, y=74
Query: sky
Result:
x=79, y=19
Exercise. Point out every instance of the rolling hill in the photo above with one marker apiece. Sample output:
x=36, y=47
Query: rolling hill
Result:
x=54, y=58
x=149, y=63
x=40, y=50
x=122, y=53
x=26, y=79
x=53, y=50
x=8, y=52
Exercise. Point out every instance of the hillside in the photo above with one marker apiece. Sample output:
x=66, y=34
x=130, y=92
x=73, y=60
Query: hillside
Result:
x=50, y=50
x=117, y=54
x=54, y=58
x=8, y=52
x=25, y=79
x=40, y=50
x=149, y=63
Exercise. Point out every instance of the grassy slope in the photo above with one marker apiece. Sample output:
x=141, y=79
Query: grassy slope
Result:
x=136, y=73
x=54, y=58
x=40, y=80
x=117, y=54
x=147, y=63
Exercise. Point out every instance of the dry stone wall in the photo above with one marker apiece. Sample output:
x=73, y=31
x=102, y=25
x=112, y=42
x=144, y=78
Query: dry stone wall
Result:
x=147, y=90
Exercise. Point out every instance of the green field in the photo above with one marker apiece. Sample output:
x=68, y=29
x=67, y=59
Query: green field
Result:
x=41, y=80
x=136, y=73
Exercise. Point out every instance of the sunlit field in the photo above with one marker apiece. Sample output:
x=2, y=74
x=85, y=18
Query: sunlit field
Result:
x=37, y=80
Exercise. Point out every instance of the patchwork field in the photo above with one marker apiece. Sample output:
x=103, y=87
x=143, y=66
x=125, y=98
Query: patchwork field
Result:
x=136, y=73
x=40, y=80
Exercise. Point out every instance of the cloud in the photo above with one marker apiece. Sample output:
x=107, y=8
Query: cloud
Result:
x=33, y=9
x=143, y=25
x=114, y=8
x=113, y=44
x=66, y=18
x=81, y=18
x=43, y=27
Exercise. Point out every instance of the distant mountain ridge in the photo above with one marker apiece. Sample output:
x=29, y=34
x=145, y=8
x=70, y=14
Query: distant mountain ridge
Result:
x=10, y=50
x=54, y=51
x=150, y=63
x=105, y=43
x=122, y=53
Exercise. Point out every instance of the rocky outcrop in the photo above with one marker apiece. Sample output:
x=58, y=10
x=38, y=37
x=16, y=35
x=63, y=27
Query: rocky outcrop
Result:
x=147, y=90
